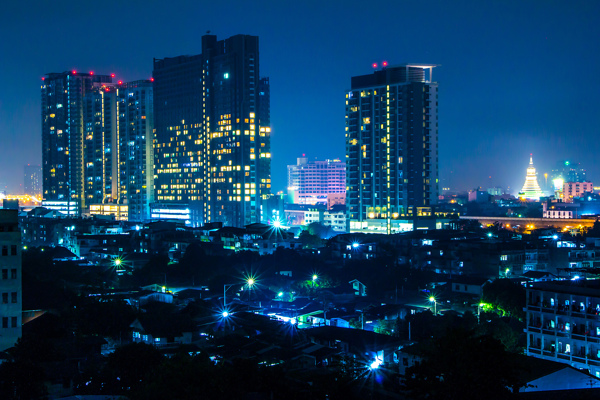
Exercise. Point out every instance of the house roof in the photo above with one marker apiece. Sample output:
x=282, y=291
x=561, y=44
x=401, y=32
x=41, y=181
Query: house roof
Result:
x=470, y=280
x=164, y=324
x=354, y=337
x=536, y=368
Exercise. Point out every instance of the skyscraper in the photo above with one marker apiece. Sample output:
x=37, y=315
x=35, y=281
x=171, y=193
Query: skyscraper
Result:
x=97, y=143
x=63, y=132
x=32, y=182
x=212, y=140
x=136, y=154
x=391, y=146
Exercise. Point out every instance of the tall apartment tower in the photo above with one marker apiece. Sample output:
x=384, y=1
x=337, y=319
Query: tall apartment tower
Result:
x=97, y=143
x=32, y=182
x=391, y=145
x=63, y=133
x=11, y=300
x=212, y=139
x=136, y=155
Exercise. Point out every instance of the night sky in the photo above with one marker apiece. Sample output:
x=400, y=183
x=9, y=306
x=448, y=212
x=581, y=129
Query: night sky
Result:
x=516, y=77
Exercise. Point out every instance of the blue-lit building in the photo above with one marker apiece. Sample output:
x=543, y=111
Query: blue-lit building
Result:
x=391, y=147
x=63, y=130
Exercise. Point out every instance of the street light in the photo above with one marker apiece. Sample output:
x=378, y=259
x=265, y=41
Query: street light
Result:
x=250, y=282
x=479, y=310
x=432, y=299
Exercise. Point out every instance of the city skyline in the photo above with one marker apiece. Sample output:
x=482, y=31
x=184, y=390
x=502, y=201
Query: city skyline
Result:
x=509, y=74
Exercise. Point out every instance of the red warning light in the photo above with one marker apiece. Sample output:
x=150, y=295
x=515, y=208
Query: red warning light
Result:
x=43, y=78
x=74, y=72
x=112, y=75
x=120, y=82
x=151, y=79
x=384, y=63
x=91, y=72
x=374, y=65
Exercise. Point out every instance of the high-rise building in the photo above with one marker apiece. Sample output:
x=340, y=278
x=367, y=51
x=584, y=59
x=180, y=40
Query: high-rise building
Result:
x=100, y=143
x=32, y=182
x=11, y=300
x=97, y=140
x=531, y=189
x=63, y=133
x=136, y=154
x=317, y=182
x=212, y=140
x=391, y=146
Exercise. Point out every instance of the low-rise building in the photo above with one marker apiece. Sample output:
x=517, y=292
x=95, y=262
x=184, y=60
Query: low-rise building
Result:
x=563, y=322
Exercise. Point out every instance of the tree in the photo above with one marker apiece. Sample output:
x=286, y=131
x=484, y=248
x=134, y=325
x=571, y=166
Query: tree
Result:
x=463, y=366
x=505, y=296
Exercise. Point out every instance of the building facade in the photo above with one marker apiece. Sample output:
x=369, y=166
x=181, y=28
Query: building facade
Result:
x=97, y=143
x=135, y=165
x=212, y=141
x=391, y=145
x=32, y=182
x=11, y=301
x=563, y=322
x=317, y=181
x=63, y=133
x=576, y=189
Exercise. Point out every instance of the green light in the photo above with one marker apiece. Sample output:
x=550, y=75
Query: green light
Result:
x=432, y=299
x=567, y=163
x=251, y=281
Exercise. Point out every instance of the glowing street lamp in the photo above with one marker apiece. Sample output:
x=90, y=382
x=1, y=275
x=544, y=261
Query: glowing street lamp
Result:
x=225, y=314
x=432, y=299
x=375, y=364
x=250, y=282
x=479, y=306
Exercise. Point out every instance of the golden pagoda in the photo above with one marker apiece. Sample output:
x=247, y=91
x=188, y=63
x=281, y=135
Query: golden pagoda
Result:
x=531, y=189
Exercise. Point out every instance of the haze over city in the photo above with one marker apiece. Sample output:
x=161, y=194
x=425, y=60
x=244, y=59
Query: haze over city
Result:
x=515, y=77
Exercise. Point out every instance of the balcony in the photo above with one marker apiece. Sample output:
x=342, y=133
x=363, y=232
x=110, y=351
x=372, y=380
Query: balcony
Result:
x=549, y=353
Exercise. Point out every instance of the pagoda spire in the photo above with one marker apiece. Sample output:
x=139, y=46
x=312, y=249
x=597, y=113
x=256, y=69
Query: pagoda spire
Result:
x=531, y=189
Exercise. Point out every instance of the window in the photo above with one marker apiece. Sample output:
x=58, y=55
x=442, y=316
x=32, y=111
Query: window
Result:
x=13, y=273
x=4, y=274
x=13, y=297
x=4, y=298
x=13, y=249
x=5, y=322
x=13, y=322
x=4, y=250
